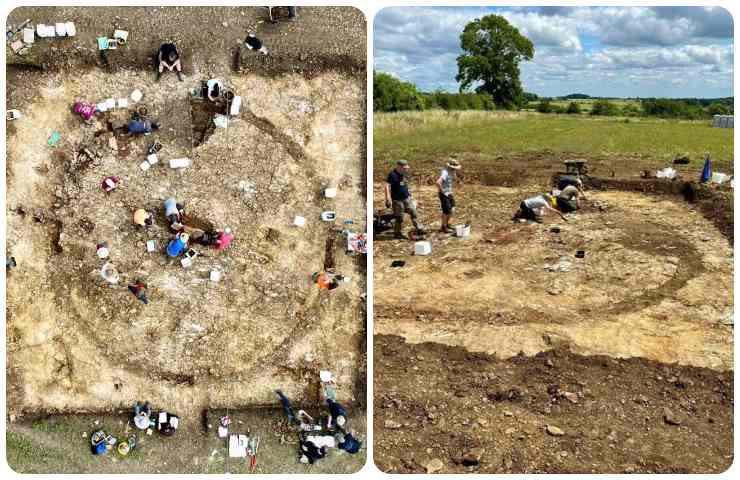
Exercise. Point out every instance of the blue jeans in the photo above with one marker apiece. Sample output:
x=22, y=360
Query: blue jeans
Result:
x=287, y=407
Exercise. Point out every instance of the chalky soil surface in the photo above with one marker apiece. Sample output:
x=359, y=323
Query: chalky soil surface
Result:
x=626, y=352
x=77, y=344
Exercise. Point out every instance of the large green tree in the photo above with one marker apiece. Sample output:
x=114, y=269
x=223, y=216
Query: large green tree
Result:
x=492, y=50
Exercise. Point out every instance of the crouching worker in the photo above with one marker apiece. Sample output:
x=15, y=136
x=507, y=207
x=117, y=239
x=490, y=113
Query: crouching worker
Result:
x=143, y=218
x=142, y=416
x=142, y=126
x=569, y=199
x=337, y=415
x=84, y=109
x=327, y=280
x=174, y=212
x=138, y=288
x=534, y=208
x=178, y=245
x=169, y=58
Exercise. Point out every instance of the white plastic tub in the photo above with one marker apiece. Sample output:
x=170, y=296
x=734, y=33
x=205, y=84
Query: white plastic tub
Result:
x=330, y=192
x=299, y=221
x=422, y=248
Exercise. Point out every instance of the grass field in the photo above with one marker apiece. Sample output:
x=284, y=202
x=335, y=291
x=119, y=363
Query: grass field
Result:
x=424, y=137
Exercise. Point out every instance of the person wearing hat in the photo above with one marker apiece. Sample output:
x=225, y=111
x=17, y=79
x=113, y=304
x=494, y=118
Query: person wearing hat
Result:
x=446, y=200
x=534, y=208
x=398, y=195
x=178, y=245
x=143, y=218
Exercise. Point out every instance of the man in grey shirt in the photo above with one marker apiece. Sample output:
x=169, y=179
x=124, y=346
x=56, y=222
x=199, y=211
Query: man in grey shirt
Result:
x=446, y=199
x=534, y=208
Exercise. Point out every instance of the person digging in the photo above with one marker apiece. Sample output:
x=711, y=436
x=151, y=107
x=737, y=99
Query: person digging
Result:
x=569, y=199
x=534, y=208
x=446, y=199
x=398, y=196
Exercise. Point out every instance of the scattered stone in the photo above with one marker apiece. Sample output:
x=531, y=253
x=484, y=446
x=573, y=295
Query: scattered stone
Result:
x=670, y=418
x=390, y=424
x=508, y=413
x=510, y=430
x=571, y=397
x=555, y=431
x=434, y=465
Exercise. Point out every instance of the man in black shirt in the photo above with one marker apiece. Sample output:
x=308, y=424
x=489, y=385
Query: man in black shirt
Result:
x=398, y=196
x=170, y=59
x=254, y=43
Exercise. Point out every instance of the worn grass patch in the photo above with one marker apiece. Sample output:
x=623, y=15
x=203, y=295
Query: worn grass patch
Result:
x=422, y=137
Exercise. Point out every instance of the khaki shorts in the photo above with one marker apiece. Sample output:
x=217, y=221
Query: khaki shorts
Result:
x=404, y=206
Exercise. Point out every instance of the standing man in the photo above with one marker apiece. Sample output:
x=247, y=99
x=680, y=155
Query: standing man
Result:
x=446, y=200
x=397, y=194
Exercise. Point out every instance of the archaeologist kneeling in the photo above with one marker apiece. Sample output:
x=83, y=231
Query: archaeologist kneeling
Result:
x=534, y=208
x=178, y=245
x=569, y=199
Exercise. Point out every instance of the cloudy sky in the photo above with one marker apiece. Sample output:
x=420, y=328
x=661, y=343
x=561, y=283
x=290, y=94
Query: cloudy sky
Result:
x=601, y=51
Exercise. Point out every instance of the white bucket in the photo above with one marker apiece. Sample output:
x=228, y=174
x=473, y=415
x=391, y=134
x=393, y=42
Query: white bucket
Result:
x=462, y=231
x=299, y=221
x=422, y=248
x=45, y=31
x=136, y=95
x=152, y=159
x=330, y=192
x=144, y=165
x=215, y=275
x=151, y=245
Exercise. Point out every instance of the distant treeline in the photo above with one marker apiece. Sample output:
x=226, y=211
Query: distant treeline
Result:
x=688, y=109
x=393, y=95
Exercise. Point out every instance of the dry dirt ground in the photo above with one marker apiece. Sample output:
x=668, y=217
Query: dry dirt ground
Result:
x=520, y=334
x=76, y=344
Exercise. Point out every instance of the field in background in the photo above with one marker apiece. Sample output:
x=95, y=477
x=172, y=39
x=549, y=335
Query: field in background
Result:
x=425, y=138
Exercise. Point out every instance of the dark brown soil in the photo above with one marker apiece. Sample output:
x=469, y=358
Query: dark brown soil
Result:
x=479, y=414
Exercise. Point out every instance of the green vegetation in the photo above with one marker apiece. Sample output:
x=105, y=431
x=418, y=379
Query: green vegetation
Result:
x=24, y=456
x=492, y=51
x=393, y=95
x=427, y=136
